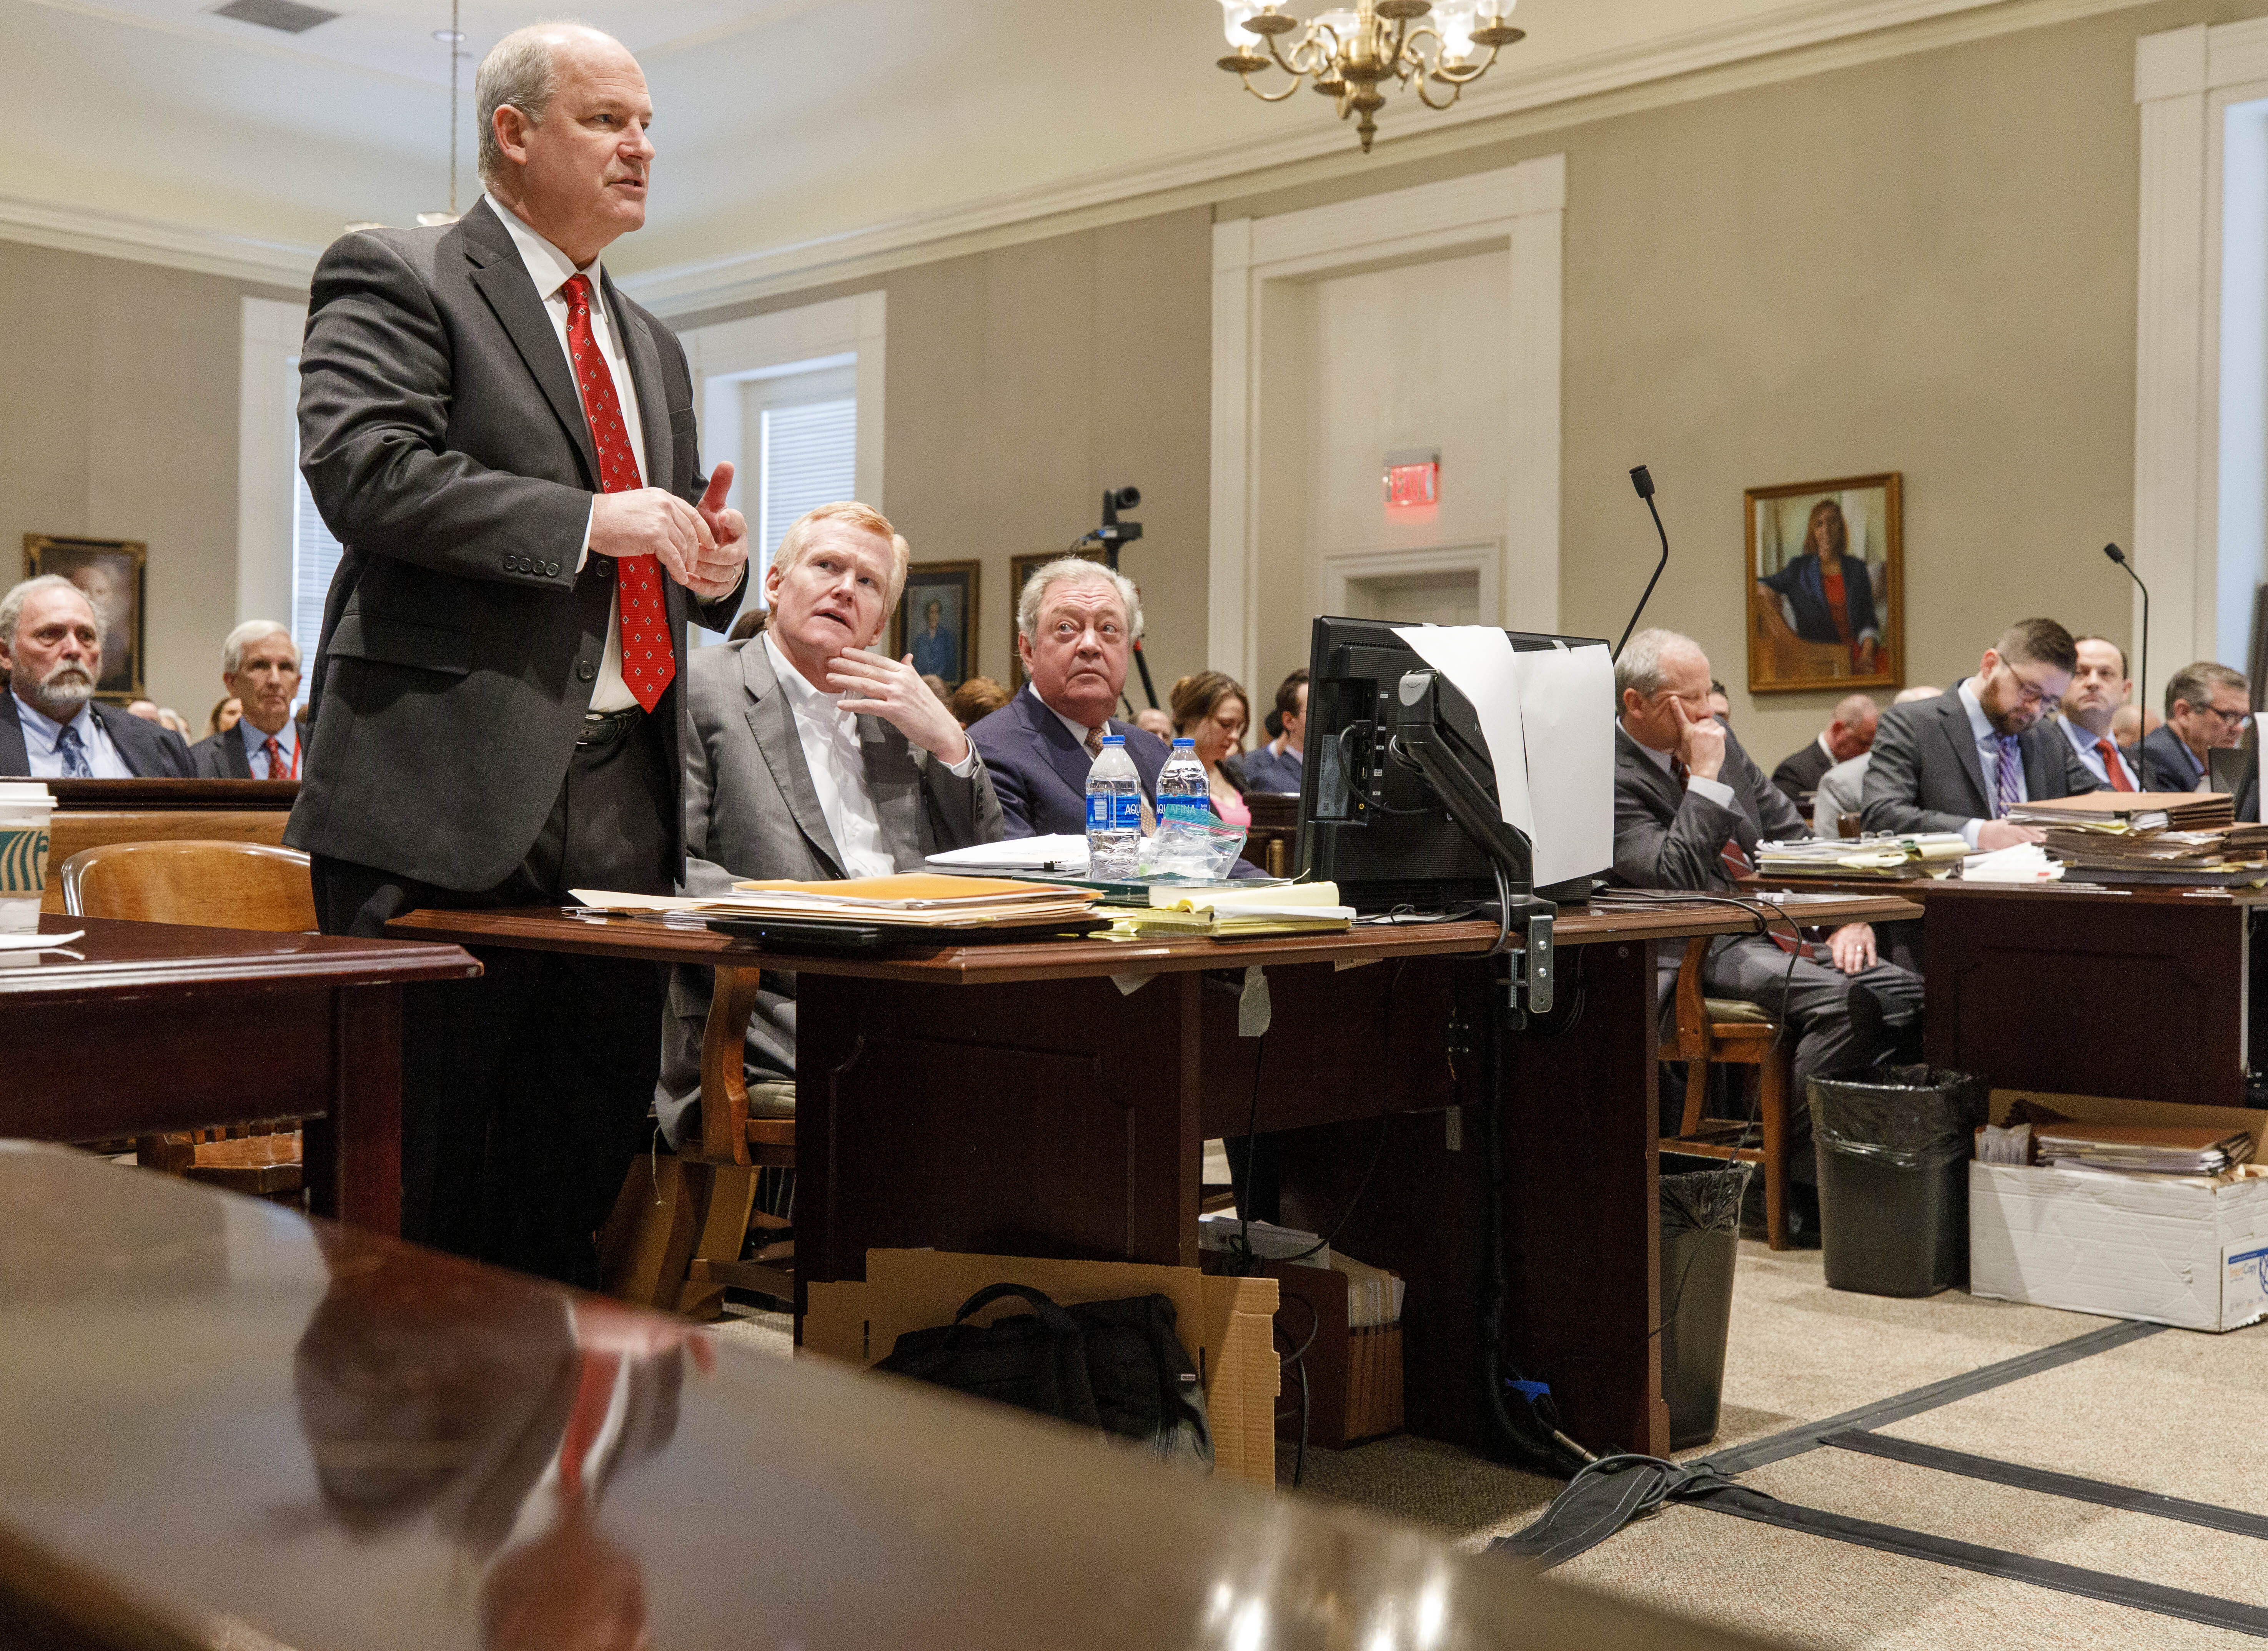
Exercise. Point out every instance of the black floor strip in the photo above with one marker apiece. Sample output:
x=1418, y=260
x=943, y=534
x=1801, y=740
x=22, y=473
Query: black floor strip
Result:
x=1796, y=1440
x=2100, y=1491
x=1744, y=1504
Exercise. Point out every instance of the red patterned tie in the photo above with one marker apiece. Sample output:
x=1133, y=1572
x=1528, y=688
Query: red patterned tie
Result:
x=2112, y=767
x=649, y=661
x=277, y=768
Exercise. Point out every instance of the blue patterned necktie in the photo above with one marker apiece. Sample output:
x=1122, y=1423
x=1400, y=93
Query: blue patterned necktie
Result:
x=2008, y=779
x=75, y=763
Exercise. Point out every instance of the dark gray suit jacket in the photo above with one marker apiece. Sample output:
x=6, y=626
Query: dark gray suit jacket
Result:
x=1925, y=775
x=1799, y=776
x=1665, y=838
x=2167, y=764
x=1040, y=771
x=220, y=756
x=751, y=812
x=442, y=437
x=152, y=750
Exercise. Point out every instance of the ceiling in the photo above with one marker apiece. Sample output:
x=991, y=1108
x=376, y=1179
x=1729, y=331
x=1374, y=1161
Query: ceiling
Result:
x=784, y=127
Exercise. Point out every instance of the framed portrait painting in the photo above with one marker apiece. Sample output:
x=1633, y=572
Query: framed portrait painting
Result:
x=109, y=571
x=1824, y=577
x=936, y=620
x=1019, y=569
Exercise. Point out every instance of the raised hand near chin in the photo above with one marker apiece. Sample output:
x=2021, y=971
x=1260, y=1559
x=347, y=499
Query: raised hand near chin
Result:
x=875, y=685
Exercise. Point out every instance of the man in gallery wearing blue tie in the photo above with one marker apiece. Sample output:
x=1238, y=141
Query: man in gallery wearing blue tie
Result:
x=51, y=725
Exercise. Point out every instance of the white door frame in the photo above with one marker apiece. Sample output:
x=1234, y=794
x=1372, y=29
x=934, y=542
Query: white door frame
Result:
x=1337, y=570
x=267, y=411
x=1519, y=208
x=2184, y=81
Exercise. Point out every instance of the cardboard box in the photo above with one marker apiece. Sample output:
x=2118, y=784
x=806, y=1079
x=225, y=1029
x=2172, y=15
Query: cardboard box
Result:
x=1224, y=1323
x=2190, y=1251
x=1354, y=1376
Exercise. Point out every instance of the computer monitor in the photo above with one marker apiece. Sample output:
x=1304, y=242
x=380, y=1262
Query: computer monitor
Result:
x=1376, y=825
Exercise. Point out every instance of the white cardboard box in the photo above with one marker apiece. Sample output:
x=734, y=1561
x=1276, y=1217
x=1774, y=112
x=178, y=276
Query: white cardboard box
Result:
x=2188, y=1251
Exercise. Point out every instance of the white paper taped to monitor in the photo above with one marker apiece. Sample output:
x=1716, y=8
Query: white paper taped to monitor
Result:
x=1554, y=710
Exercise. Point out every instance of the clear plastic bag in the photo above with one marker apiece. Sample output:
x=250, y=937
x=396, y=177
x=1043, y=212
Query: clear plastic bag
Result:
x=1190, y=850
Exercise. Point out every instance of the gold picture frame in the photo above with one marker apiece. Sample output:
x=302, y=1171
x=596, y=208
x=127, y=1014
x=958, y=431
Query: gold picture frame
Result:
x=1804, y=542
x=1021, y=569
x=947, y=649
x=113, y=573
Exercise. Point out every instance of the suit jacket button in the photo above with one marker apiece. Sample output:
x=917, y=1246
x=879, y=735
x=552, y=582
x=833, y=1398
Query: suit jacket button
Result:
x=604, y=567
x=586, y=671
x=551, y=570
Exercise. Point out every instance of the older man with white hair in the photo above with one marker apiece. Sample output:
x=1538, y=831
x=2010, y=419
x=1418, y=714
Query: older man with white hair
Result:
x=51, y=725
x=260, y=667
x=1076, y=622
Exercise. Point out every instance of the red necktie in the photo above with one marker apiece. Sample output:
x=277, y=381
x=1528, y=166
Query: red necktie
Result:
x=276, y=767
x=649, y=661
x=2112, y=767
x=594, y=1395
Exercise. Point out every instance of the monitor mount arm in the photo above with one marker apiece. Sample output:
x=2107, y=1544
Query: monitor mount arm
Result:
x=1418, y=735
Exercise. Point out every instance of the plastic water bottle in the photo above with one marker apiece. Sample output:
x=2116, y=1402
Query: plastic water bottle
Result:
x=1183, y=792
x=1113, y=811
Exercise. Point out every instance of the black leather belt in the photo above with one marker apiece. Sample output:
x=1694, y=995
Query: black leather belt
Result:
x=601, y=728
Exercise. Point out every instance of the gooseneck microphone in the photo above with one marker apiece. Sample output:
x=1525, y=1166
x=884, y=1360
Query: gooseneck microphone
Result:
x=2142, y=658
x=1643, y=480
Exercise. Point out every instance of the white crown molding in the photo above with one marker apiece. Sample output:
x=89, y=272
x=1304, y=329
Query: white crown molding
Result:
x=148, y=241
x=1806, y=38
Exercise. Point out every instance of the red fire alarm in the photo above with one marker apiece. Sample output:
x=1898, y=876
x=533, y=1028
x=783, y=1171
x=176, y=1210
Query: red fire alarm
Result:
x=1413, y=477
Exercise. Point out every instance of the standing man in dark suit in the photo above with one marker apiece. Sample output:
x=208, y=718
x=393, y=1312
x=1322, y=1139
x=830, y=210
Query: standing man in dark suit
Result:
x=2207, y=704
x=1849, y=733
x=1960, y=762
x=1076, y=622
x=51, y=725
x=505, y=446
x=259, y=668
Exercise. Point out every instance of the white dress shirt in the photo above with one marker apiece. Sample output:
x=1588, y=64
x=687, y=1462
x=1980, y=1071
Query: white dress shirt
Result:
x=1988, y=752
x=2084, y=744
x=551, y=269
x=829, y=737
x=255, y=752
x=40, y=733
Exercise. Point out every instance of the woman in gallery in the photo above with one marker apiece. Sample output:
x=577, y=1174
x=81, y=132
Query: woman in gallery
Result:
x=1831, y=593
x=1209, y=710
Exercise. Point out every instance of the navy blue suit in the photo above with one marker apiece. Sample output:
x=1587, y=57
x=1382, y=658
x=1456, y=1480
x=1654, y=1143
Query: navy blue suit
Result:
x=1805, y=587
x=1039, y=771
x=153, y=750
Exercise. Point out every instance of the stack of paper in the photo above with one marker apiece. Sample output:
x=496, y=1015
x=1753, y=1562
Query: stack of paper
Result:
x=1065, y=853
x=908, y=900
x=1374, y=1294
x=2146, y=1148
x=1269, y=1241
x=2025, y=862
x=2183, y=810
x=2141, y=855
x=1228, y=911
x=1915, y=855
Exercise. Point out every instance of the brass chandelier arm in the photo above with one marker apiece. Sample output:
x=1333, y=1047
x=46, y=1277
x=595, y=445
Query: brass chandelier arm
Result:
x=1265, y=96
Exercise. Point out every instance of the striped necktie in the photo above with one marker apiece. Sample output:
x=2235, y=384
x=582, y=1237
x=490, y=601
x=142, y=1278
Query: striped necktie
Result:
x=2009, y=777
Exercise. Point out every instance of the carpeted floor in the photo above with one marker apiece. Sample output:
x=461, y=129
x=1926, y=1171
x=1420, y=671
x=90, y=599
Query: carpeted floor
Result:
x=2170, y=1413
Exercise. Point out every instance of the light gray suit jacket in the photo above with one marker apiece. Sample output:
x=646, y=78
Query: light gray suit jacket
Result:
x=750, y=812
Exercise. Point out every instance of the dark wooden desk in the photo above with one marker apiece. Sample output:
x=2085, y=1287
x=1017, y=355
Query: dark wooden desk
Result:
x=90, y=813
x=2079, y=989
x=1051, y=1113
x=229, y=1427
x=155, y=1027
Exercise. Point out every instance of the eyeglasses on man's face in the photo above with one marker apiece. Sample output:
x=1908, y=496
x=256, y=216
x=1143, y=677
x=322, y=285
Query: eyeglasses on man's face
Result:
x=2032, y=692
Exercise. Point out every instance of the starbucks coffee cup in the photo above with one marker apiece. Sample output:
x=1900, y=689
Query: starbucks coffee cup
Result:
x=26, y=809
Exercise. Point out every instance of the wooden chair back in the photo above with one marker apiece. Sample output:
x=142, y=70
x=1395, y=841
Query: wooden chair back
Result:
x=205, y=884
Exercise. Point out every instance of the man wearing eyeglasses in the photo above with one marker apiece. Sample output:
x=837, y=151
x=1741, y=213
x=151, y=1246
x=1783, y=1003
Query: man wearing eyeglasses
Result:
x=2205, y=705
x=1960, y=762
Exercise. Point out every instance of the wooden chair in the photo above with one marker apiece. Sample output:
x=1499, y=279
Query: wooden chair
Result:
x=205, y=885
x=1727, y=1031
x=1784, y=656
x=684, y=1262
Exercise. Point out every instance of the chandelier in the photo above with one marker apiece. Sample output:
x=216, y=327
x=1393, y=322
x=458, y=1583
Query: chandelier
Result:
x=1352, y=52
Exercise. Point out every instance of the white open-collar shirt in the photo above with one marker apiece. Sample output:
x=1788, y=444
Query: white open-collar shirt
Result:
x=551, y=269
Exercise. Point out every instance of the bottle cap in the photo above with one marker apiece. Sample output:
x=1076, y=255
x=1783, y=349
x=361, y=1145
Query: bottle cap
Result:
x=1191, y=743
x=1114, y=739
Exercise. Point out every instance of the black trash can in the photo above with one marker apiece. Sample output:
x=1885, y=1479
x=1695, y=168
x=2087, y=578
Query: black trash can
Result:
x=1700, y=1237
x=1893, y=1151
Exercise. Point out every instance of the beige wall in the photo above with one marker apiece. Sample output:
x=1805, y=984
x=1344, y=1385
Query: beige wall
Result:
x=1923, y=264
x=1023, y=382
x=118, y=410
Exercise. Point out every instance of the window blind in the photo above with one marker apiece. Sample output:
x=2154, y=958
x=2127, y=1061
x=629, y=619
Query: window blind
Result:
x=314, y=559
x=810, y=457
